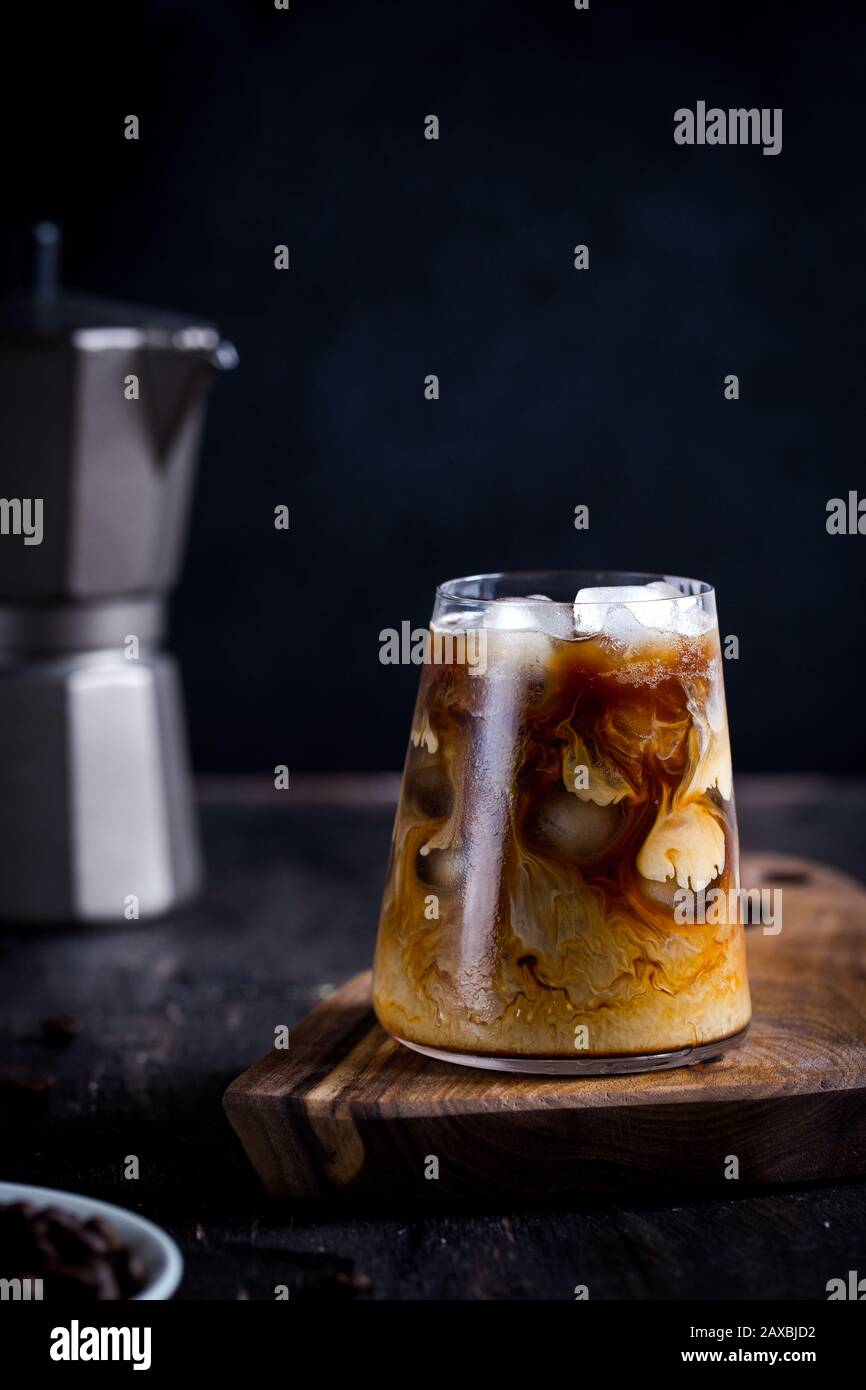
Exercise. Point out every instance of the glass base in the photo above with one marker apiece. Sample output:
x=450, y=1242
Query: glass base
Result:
x=588, y=1066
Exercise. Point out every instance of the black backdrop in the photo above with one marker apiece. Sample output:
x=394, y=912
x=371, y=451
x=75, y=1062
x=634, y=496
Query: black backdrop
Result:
x=411, y=257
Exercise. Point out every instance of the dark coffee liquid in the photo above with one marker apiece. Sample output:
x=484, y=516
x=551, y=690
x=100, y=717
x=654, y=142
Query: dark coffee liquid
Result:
x=552, y=809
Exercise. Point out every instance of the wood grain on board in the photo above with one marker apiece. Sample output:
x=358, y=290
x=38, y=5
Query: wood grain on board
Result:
x=348, y=1110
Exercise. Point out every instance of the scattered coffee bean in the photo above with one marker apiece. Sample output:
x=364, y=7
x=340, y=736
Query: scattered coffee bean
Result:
x=76, y=1260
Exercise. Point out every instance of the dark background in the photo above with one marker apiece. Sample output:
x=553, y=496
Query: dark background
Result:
x=409, y=257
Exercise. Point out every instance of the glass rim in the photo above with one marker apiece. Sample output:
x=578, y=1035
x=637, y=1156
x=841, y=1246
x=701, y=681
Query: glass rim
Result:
x=698, y=588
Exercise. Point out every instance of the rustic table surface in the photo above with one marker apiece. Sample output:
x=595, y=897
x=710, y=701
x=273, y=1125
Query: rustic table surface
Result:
x=170, y=1012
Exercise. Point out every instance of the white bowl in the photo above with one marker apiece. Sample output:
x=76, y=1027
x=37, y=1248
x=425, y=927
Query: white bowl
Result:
x=155, y=1248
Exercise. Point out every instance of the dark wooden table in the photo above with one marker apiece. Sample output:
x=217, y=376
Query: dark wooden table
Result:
x=171, y=1012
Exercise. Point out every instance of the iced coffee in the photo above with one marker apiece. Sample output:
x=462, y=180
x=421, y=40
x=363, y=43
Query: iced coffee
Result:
x=565, y=807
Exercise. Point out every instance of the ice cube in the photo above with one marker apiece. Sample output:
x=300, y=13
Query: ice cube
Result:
x=690, y=618
x=441, y=868
x=716, y=706
x=591, y=606
x=625, y=612
x=511, y=632
x=577, y=828
x=518, y=614
x=622, y=625
x=533, y=614
x=513, y=613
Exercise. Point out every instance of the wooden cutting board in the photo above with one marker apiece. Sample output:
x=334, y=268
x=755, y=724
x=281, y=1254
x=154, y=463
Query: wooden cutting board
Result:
x=347, y=1110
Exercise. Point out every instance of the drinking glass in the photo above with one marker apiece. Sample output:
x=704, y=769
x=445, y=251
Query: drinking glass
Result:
x=566, y=816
